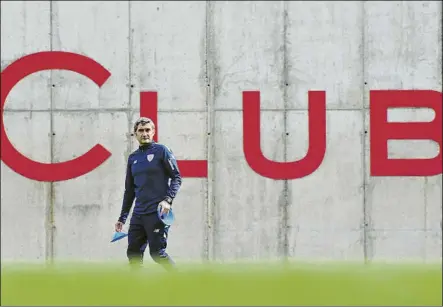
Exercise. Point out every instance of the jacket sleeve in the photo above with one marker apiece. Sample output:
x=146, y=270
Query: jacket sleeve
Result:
x=173, y=171
x=129, y=194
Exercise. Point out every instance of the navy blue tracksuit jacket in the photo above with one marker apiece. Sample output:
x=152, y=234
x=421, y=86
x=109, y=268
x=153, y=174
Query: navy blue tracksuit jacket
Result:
x=149, y=170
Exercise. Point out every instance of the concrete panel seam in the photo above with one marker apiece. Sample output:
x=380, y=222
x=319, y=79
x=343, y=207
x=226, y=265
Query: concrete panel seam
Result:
x=130, y=86
x=425, y=204
x=113, y=110
x=367, y=241
x=284, y=205
x=50, y=215
x=209, y=236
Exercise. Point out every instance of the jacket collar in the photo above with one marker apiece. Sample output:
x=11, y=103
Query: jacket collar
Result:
x=146, y=146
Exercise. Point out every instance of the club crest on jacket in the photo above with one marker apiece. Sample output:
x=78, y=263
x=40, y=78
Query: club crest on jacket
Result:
x=150, y=157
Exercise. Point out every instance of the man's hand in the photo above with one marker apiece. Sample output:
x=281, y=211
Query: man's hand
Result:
x=165, y=207
x=118, y=226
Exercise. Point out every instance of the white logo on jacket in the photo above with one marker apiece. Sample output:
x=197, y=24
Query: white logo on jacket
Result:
x=150, y=157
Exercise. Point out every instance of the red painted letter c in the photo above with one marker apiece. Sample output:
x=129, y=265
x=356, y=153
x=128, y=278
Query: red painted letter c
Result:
x=30, y=64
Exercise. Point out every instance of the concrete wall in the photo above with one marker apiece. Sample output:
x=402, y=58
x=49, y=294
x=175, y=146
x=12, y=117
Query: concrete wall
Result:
x=200, y=56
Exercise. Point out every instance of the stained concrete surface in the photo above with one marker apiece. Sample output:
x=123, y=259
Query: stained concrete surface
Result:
x=200, y=56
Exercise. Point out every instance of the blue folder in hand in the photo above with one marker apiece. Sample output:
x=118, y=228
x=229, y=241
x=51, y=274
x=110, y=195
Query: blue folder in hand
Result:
x=118, y=236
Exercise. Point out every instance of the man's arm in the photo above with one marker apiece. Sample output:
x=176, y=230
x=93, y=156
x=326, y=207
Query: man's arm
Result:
x=128, y=196
x=171, y=167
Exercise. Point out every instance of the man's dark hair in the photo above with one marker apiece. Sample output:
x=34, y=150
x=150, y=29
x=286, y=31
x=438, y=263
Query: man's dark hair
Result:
x=143, y=121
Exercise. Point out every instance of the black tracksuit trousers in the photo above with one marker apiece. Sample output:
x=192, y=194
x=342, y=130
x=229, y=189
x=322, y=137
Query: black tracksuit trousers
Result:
x=148, y=230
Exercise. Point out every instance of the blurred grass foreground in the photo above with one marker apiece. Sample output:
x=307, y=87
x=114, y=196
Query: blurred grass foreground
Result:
x=262, y=284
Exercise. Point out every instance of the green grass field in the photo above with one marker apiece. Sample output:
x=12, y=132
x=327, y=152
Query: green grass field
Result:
x=260, y=284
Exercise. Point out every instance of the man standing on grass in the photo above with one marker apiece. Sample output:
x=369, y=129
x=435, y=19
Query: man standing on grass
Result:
x=149, y=170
